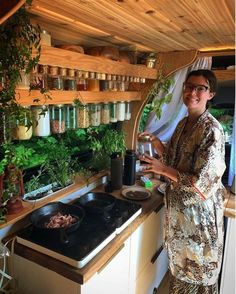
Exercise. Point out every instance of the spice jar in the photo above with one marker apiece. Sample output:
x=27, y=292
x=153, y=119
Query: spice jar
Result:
x=83, y=116
x=93, y=85
x=95, y=115
x=82, y=84
x=23, y=129
x=104, y=85
x=45, y=38
x=120, y=111
x=24, y=82
x=55, y=81
x=41, y=121
x=70, y=81
x=71, y=119
x=113, y=112
x=127, y=110
x=58, y=119
x=105, y=114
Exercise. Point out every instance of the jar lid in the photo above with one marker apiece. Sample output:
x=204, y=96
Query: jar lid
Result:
x=145, y=138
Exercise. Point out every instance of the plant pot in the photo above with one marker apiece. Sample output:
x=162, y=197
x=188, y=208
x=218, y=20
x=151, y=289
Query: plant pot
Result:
x=14, y=205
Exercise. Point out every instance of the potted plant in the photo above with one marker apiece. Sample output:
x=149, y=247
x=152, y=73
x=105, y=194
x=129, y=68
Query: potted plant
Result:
x=11, y=178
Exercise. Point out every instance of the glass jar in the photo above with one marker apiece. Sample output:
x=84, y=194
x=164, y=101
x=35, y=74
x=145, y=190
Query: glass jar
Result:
x=93, y=85
x=23, y=131
x=58, y=119
x=43, y=76
x=45, y=38
x=24, y=82
x=104, y=85
x=82, y=84
x=55, y=81
x=113, y=112
x=127, y=110
x=145, y=145
x=120, y=111
x=41, y=121
x=95, y=115
x=105, y=113
x=70, y=81
x=82, y=116
x=71, y=119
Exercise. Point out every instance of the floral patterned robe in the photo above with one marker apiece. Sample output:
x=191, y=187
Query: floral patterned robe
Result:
x=194, y=218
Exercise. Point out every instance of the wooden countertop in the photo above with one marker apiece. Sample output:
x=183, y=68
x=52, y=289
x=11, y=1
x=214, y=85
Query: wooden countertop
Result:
x=155, y=202
x=230, y=205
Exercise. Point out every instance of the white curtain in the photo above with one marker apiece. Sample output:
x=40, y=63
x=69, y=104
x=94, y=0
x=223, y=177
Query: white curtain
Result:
x=173, y=112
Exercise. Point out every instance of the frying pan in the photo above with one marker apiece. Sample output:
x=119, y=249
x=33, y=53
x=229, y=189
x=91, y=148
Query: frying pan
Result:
x=42, y=216
x=96, y=202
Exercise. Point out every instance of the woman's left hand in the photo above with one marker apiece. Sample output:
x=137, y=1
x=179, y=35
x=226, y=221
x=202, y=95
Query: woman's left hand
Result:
x=153, y=165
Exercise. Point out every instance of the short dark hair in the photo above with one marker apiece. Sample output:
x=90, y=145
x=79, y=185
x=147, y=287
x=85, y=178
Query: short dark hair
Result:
x=208, y=75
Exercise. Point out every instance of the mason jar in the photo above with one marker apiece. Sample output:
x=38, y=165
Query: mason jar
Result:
x=71, y=119
x=23, y=131
x=41, y=121
x=82, y=116
x=57, y=120
x=120, y=111
x=95, y=115
x=127, y=110
x=113, y=112
x=105, y=113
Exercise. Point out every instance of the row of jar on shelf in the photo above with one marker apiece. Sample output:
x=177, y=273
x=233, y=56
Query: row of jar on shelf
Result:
x=57, y=78
x=57, y=119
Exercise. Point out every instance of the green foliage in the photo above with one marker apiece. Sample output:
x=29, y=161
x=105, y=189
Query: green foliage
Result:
x=113, y=141
x=157, y=97
x=19, y=156
x=18, y=39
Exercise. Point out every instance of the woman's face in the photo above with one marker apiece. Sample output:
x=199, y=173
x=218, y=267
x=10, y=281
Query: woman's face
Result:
x=196, y=93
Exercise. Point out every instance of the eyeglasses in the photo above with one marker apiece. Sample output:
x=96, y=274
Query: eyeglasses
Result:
x=199, y=89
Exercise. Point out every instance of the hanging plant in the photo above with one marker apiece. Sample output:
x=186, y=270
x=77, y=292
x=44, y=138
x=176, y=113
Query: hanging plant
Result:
x=19, y=38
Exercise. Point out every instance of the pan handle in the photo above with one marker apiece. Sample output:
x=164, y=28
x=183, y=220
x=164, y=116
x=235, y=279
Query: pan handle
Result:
x=63, y=237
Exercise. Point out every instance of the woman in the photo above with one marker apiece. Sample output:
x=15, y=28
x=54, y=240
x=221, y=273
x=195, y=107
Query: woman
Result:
x=193, y=163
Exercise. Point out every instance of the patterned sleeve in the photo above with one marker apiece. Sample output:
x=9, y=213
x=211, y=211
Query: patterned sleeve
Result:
x=208, y=167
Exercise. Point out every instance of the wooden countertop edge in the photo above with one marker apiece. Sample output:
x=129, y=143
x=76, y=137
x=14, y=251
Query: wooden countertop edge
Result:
x=84, y=274
x=230, y=205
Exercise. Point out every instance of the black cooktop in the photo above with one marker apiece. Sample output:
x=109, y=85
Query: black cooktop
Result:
x=93, y=230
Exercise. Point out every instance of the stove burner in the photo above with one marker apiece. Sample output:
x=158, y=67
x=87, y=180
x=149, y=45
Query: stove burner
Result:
x=93, y=234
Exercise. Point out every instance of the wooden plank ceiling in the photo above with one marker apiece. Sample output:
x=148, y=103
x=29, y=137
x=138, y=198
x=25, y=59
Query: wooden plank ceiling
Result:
x=144, y=25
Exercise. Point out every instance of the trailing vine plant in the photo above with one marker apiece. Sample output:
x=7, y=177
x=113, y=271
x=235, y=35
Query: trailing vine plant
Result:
x=158, y=96
x=19, y=38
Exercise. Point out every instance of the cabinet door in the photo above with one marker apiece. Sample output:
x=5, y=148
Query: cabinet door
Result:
x=113, y=277
x=145, y=242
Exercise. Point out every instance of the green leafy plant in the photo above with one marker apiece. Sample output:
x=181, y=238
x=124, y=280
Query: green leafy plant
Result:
x=157, y=97
x=18, y=40
x=113, y=141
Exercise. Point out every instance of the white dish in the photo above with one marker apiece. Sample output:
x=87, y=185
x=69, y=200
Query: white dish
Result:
x=162, y=188
x=136, y=193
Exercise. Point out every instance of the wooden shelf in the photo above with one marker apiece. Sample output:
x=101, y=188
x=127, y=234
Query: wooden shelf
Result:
x=24, y=97
x=69, y=59
x=225, y=75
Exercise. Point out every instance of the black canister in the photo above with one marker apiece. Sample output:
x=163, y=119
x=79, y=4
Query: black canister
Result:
x=116, y=170
x=129, y=168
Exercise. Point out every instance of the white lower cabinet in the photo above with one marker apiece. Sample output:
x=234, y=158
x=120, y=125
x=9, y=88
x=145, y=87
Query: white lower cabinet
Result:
x=148, y=259
x=113, y=277
x=137, y=267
